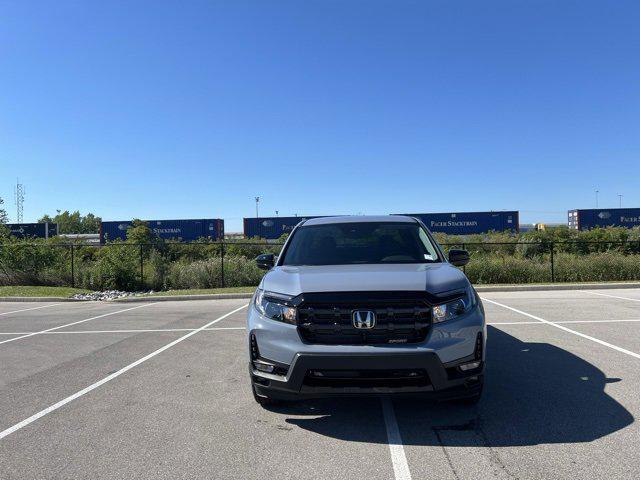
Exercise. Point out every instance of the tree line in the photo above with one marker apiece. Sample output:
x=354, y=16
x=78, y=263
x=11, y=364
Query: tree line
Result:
x=68, y=222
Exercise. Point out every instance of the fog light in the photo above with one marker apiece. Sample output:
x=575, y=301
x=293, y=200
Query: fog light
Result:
x=263, y=367
x=469, y=366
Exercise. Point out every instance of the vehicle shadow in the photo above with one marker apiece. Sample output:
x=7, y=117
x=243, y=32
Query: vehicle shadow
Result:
x=535, y=393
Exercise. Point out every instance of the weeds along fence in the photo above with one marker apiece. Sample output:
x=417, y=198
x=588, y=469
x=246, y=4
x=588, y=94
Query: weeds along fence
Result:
x=554, y=262
x=129, y=266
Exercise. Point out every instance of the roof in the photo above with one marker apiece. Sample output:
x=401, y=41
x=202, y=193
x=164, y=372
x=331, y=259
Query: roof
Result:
x=359, y=219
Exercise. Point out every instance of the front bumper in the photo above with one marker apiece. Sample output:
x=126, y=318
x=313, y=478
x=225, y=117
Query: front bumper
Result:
x=447, y=345
x=441, y=381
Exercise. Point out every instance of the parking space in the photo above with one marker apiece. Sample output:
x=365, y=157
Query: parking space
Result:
x=164, y=316
x=142, y=392
x=622, y=334
x=9, y=308
x=619, y=294
x=563, y=306
x=21, y=320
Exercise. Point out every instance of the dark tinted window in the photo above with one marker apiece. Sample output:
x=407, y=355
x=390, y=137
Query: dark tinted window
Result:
x=349, y=243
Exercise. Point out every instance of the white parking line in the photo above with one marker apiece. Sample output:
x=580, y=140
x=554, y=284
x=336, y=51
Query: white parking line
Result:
x=32, y=308
x=612, y=296
x=567, y=321
x=398, y=457
x=108, y=378
x=561, y=327
x=128, y=331
x=74, y=323
x=160, y=330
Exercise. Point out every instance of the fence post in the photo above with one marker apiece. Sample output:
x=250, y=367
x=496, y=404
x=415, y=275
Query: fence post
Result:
x=553, y=275
x=73, y=276
x=141, y=267
x=222, y=263
x=464, y=267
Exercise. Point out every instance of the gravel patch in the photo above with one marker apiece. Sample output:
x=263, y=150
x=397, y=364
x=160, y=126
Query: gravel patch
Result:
x=109, y=295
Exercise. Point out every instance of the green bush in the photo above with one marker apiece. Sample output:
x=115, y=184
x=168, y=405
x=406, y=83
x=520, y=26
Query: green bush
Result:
x=23, y=263
x=238, y=272
x=507, y=269
x=597, y=267
x=117, y=267
x=251, y=248
x=169, y=264
x=156, y=271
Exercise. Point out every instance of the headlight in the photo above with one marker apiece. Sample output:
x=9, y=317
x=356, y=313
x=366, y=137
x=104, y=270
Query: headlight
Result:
x=455, y=308
x=272, y=306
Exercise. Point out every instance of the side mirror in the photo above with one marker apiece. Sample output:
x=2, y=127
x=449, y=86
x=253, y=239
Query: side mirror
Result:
x=458, y=258
x=266, y=261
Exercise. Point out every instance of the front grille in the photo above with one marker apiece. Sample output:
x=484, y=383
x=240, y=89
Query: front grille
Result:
x=330, y=322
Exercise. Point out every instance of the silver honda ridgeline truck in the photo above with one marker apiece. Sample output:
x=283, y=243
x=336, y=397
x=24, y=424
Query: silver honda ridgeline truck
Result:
x=365, y=305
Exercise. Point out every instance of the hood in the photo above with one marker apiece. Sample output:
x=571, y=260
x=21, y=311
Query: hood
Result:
x=434, y=278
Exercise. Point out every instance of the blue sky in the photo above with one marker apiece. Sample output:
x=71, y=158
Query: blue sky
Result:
x=173, y=109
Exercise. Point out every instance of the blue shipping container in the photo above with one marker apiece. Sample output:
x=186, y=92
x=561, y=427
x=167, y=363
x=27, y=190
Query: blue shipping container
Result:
x=184, y=230
x=587, y=219
x=270, y=228
x=33, y=230
x=467, y=223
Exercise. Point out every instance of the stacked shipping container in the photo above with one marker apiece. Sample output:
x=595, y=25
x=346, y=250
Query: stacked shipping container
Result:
x=467, y=223
x=463, y=223
x=184, y=230
x=33, y=230
x=270, y=228
x=587, y=219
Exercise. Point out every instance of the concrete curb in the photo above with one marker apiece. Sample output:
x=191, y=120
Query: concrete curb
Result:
x=236, y=296
x=40, y=299
x=178, y=298
x=558, y=286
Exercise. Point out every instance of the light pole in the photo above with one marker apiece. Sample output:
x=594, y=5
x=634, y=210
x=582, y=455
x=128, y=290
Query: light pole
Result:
x=257, y=202
x=620, y=198
x=276, y=213
x=597, y=192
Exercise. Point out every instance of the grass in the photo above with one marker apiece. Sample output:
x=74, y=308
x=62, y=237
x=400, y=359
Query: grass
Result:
x=29, y=291
x=557, y=282
x=205, y=291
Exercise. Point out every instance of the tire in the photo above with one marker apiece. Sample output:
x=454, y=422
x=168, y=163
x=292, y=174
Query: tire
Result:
x=471, y=401
x=263, y=401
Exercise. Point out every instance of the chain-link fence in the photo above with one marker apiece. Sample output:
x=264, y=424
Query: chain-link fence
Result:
x=204, y=265
x=128, y=266
x=544, y=262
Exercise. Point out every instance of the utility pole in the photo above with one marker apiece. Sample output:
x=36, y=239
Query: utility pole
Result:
x=620, y=198
x=597, y=192
x=257, y=202
x=19, y=196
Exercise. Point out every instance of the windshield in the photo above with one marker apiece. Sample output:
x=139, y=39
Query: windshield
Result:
x=362, y=242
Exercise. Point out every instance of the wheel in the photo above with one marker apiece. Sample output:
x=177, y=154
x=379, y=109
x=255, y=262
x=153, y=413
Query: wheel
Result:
x=475, y=397
x=264, y=401
x=470, y=401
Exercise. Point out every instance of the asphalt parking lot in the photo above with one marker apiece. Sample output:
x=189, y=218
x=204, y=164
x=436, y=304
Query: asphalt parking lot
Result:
x=160, y=390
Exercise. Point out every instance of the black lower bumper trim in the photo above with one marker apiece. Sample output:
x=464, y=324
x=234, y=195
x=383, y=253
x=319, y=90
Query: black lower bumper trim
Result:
x=313, y=375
